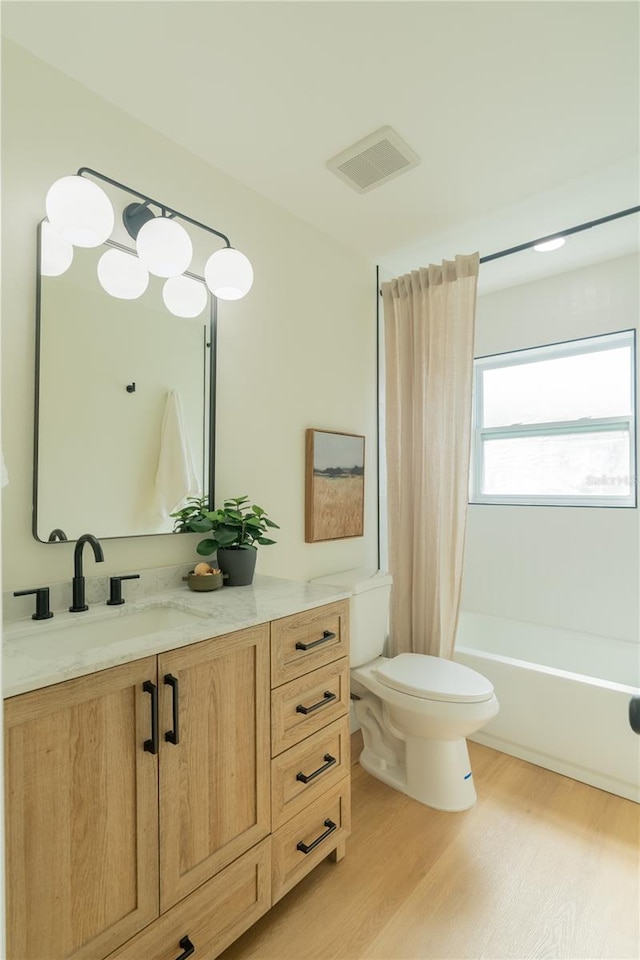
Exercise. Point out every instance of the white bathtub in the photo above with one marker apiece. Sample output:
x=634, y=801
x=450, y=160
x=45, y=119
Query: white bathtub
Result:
x=564, y=698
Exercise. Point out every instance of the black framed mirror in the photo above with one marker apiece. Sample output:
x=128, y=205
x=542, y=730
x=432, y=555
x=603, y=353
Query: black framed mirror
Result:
x=107, y=372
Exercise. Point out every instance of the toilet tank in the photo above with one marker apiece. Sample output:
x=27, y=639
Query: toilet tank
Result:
x=369, y=610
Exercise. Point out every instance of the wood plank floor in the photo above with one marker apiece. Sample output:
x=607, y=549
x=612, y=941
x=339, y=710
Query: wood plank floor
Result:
x=541, y=866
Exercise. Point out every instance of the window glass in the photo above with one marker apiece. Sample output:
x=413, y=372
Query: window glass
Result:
x=562, y=388
x=583, y=464
x=556, y=424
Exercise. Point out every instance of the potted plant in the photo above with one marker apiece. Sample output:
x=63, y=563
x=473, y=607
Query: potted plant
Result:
x=193, y=516
x=236, y=529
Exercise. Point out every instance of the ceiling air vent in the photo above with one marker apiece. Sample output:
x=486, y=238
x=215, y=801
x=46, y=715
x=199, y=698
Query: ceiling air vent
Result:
x=372, y=161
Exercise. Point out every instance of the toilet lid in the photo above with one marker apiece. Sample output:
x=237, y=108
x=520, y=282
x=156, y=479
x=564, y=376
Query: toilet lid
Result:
x=433, y=678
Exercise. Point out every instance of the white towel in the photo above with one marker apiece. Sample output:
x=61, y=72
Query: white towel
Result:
x=176, y=478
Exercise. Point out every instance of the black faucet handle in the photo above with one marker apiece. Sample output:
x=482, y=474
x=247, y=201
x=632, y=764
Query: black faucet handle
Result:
x=115, y=588
x=42, y=602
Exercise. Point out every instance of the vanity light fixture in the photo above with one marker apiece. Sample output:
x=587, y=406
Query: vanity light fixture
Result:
x=122, y=275
x=184, y=297
x=57, y=253
x=164, y=247
x=80, y=213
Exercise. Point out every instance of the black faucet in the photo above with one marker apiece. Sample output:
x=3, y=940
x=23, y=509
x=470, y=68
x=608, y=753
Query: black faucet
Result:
x=78, y=577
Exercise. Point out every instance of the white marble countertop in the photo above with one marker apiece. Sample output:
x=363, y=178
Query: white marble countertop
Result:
x=40, y=653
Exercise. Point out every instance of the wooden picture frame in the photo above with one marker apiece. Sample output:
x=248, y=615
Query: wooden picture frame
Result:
x=334, y=500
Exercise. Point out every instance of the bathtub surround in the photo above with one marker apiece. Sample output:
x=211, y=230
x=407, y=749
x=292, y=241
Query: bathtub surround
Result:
x=564, y=698
x=568, y=568
x=429, y=318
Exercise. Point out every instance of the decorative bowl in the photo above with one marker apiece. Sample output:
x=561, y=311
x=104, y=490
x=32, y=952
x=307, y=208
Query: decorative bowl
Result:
x=207, y=581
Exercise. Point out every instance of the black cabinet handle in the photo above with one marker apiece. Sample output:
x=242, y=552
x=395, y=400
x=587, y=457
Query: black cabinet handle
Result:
x=151, y=746
x=308, y=777
x=328, y=697
x=187, y=947
x=327, y=635
x=307, y=848
x=173, y=736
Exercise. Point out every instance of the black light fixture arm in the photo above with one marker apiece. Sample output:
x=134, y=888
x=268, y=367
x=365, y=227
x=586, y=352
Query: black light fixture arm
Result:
x=87, y=171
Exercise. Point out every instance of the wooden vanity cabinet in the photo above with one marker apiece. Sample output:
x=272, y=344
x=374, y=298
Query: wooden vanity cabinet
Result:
x=81, y=815
x=214, y=782
x=311, y=813
x=139, y=799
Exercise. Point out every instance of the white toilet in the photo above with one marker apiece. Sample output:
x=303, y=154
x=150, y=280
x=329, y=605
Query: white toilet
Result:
x=414, y=710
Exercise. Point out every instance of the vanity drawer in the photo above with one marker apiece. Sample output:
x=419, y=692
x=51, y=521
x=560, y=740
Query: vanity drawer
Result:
x=302, y=707
x=304, y=641
x=319, y=829
x=302, y=773
x=213, y=916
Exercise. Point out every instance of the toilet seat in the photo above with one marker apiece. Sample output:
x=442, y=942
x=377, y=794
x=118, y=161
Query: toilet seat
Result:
x=434, y=678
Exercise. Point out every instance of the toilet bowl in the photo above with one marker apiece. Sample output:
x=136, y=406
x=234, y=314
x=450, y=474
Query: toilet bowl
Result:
x=415, y=711
x=414, y=733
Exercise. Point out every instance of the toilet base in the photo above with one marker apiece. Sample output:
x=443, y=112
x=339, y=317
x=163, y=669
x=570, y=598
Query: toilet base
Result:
x=390, y=773
x=437, y=773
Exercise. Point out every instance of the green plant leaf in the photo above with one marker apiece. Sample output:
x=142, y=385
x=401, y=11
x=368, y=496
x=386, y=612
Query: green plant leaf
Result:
x=265, y=540
x=225, y=537
x=207, y=547
x=270, y=523
x=200, y=526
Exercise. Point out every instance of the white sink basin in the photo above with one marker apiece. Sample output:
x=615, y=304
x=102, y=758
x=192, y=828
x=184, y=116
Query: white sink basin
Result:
x=50, y=640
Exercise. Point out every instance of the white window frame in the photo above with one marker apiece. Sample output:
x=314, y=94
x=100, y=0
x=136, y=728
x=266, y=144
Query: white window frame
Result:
x=596, y=344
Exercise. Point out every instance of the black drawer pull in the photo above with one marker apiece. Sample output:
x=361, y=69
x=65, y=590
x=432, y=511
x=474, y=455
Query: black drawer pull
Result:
x=187, y=947
x=307, y=848
x=327, y=635
x=151, y=746
x=328, y=697
x=308, y=777
x=173, y=736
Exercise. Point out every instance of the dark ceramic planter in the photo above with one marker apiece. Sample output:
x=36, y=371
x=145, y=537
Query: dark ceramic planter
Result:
x=237, y=566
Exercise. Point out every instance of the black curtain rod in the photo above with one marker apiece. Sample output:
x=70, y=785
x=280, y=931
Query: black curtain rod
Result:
x=559, y=233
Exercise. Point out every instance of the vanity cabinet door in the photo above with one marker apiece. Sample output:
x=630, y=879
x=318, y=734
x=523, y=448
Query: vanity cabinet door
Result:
x=214, y=782
x=81, y=815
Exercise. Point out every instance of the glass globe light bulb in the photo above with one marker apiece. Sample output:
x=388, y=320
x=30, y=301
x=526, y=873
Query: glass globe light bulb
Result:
x=164, y=247
x=56, y=253
x=80, y=210
x=122, y=275
x=229, y=274
x=184, y=297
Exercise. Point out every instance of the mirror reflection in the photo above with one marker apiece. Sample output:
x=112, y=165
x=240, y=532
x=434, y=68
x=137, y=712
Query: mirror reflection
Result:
x=124, y=400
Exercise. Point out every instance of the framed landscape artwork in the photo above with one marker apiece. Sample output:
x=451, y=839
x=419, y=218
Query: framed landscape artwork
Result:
x=334, y=485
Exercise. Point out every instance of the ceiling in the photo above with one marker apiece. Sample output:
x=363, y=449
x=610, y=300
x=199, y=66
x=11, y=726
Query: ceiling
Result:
x=525, y=114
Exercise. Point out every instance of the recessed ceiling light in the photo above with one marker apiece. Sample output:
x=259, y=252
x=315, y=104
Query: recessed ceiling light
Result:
x=554, y=244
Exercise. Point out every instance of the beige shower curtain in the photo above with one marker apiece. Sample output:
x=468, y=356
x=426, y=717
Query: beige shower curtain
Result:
x=429, y=318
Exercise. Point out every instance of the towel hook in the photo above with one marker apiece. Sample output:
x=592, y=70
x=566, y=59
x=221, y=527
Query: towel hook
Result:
x=131, y=387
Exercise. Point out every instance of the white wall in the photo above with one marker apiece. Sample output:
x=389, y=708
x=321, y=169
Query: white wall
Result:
x=298, y=352
x=575, y=568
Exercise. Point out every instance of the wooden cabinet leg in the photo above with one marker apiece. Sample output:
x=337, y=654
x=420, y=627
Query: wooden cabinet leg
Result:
x=339, y=852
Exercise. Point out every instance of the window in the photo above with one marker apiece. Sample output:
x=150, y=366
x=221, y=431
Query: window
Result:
x=555, y=425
